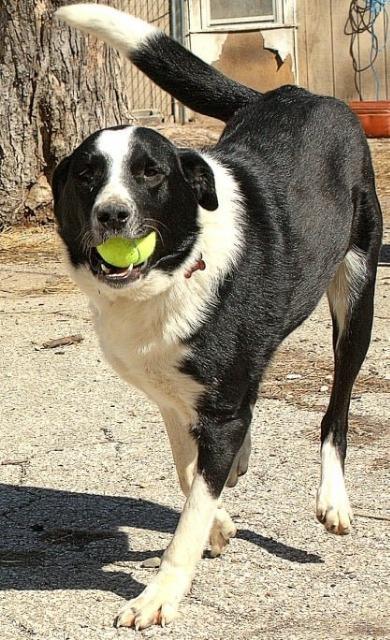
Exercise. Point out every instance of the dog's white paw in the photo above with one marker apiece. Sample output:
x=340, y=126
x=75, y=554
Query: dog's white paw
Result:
x=333, y=508
x=222, y=530
x=158, y=603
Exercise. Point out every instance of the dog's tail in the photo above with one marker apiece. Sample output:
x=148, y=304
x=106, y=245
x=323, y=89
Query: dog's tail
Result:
x=172, y=67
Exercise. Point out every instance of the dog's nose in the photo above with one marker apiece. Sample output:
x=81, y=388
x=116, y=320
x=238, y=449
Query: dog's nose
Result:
x=113, y=216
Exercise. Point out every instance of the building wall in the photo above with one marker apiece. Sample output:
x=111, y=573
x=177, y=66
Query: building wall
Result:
x=324, y=62
x=248, y=56
x=261, y=58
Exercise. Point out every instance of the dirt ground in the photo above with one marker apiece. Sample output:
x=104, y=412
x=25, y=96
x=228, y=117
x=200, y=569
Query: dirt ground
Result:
x=88, y=489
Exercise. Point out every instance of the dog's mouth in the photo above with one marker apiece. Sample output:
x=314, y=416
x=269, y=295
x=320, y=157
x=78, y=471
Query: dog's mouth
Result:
x=115, y=276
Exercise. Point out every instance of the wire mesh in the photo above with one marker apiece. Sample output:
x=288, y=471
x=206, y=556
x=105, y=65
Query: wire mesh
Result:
x=146, y=100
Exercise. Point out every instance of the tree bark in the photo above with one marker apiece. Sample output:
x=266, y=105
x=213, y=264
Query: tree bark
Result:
x=56, y=87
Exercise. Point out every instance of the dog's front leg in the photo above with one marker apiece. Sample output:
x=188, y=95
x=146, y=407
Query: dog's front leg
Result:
x=159, y=601
x=218, y=442
x=185, y=455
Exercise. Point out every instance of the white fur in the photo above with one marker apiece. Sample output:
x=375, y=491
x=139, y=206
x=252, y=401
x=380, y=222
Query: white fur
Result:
x=115, y=145
x=159, y=601
x=346, y=286
x=222, y=530
x=184, y=448
x=333, y=508
x=120, y=30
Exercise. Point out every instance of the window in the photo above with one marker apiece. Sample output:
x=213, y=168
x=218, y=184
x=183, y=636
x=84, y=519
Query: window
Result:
x=225, y=13
x=230, y=10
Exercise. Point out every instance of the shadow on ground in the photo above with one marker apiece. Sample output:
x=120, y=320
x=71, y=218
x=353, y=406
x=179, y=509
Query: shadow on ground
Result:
x=62, y=540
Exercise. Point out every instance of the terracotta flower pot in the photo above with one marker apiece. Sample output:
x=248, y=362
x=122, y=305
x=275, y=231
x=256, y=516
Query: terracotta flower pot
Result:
x=374, y=117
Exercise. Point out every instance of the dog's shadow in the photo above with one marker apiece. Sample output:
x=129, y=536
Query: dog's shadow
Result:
x=62, y=540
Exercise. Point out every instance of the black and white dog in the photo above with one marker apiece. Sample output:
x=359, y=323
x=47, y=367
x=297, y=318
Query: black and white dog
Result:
x=251, y=234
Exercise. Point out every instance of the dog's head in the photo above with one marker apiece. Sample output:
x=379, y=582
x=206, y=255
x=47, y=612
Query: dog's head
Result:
x=128, y=181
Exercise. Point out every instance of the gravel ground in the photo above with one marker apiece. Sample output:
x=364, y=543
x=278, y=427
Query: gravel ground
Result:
x=88, y=488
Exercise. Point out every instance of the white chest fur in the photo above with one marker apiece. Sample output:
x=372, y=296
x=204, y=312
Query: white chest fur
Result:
x=136, y=341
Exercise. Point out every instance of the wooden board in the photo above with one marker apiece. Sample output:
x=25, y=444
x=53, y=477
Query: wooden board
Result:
x=324, y=61
x=302, y=72
x=319, y=46
x=344, y=85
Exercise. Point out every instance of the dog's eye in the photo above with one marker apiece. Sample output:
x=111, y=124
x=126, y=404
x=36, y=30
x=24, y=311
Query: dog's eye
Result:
x=153, y=176
x=88, y=172
x=151, y=171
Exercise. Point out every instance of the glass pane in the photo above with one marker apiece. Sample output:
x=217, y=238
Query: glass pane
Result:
x=225, y=9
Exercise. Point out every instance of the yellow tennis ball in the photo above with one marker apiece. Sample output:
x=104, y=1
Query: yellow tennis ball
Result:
x=121, y=252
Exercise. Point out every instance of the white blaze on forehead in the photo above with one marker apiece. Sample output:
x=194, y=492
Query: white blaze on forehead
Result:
x=115, y=145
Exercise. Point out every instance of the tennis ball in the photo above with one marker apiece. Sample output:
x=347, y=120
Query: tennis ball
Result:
x=121, y=252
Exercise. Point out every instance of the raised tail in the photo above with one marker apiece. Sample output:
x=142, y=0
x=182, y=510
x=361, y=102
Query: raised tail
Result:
x=172, y=67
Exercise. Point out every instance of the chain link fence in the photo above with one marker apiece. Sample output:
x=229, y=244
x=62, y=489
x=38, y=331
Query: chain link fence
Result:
x=147, y=102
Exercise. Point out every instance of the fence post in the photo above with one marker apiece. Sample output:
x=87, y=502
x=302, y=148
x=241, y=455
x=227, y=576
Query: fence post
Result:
x=177, y=33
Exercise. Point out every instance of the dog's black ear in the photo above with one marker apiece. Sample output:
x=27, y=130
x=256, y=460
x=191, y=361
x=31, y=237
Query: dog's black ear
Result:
x=60, y=175
x=200, y=177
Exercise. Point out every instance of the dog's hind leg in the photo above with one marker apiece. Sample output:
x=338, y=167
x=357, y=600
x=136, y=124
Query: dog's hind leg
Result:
x=350, y=296
x=222, y=530
x=241, y=462
x=184, y=448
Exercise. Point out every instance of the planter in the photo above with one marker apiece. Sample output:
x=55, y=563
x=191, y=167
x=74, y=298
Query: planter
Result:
x=374, y=117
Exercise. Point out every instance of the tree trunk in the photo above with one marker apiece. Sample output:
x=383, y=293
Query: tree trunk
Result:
x=56, y=87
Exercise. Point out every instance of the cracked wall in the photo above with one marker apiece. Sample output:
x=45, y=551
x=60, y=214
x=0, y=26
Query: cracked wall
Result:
x=244, y=58
x=263, y=61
